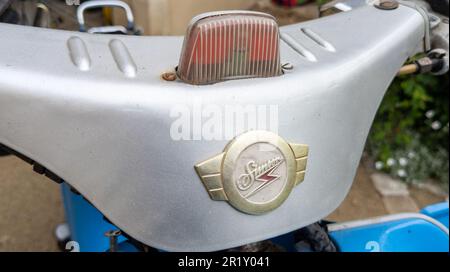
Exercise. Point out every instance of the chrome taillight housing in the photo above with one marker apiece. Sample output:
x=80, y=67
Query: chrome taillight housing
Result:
x=230, y=45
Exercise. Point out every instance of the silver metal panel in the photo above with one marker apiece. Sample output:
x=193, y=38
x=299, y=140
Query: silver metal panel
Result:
x=107, y=134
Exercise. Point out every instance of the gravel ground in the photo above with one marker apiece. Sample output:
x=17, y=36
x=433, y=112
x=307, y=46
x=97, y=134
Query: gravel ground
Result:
x=30, y=208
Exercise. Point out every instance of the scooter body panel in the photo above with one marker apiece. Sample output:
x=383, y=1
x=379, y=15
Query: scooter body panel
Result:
x=106, y=130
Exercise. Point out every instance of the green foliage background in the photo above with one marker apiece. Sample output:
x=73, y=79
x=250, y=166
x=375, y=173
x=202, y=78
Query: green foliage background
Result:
x=409, y=137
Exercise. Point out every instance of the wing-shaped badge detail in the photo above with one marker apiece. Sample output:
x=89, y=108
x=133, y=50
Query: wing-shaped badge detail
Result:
x=209, y=172
x=301, y=156
x=256, y=172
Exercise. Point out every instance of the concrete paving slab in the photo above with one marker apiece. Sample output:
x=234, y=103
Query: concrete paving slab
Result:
x=400, y=204
x=387, y=186
x=30, y=208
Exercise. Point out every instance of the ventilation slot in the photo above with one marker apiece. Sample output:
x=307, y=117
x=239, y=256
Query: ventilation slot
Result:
x=289, y=40
x=319, y=40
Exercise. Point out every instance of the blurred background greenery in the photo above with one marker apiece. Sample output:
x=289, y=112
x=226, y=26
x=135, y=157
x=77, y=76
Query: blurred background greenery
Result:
x=409, y=136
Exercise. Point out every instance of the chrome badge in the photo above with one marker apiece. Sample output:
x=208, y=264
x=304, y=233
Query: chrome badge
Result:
x=256, y=172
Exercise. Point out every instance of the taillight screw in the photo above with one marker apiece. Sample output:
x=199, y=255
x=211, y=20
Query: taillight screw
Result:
x=287, y=67
x=169, y=76
x=387, y=4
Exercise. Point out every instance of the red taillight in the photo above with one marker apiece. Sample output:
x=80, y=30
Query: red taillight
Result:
x=230, y=45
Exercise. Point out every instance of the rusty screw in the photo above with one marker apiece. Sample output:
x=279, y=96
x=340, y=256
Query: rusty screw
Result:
x=113, y=235
x=169, y=76
x=387, y=4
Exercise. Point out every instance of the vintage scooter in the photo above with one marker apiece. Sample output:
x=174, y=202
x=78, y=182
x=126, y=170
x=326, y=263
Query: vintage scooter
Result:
x=156, y=147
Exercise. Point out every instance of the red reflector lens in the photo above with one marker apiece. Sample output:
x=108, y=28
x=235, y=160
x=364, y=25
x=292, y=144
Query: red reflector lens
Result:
x=230, y=45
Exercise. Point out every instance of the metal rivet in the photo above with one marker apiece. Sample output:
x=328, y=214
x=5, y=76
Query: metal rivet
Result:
x=387, y=4
x=169, y=76
x=287, y=66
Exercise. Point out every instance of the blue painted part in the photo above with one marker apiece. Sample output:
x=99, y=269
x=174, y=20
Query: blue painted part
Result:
x=87, y=227
x=86, y=223
x=438, y=211
x=403, y=235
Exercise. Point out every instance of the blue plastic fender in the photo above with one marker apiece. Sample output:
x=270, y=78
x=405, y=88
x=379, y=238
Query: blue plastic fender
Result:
x=437, y=211
x=87, y=225
x=415, y=232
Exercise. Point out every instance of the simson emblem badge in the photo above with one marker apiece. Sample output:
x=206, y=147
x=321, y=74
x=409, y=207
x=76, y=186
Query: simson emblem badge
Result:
x=256, y=172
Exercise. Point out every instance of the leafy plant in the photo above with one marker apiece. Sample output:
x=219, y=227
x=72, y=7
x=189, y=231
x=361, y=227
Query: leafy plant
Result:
x=322, y=2
x=409, y=137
